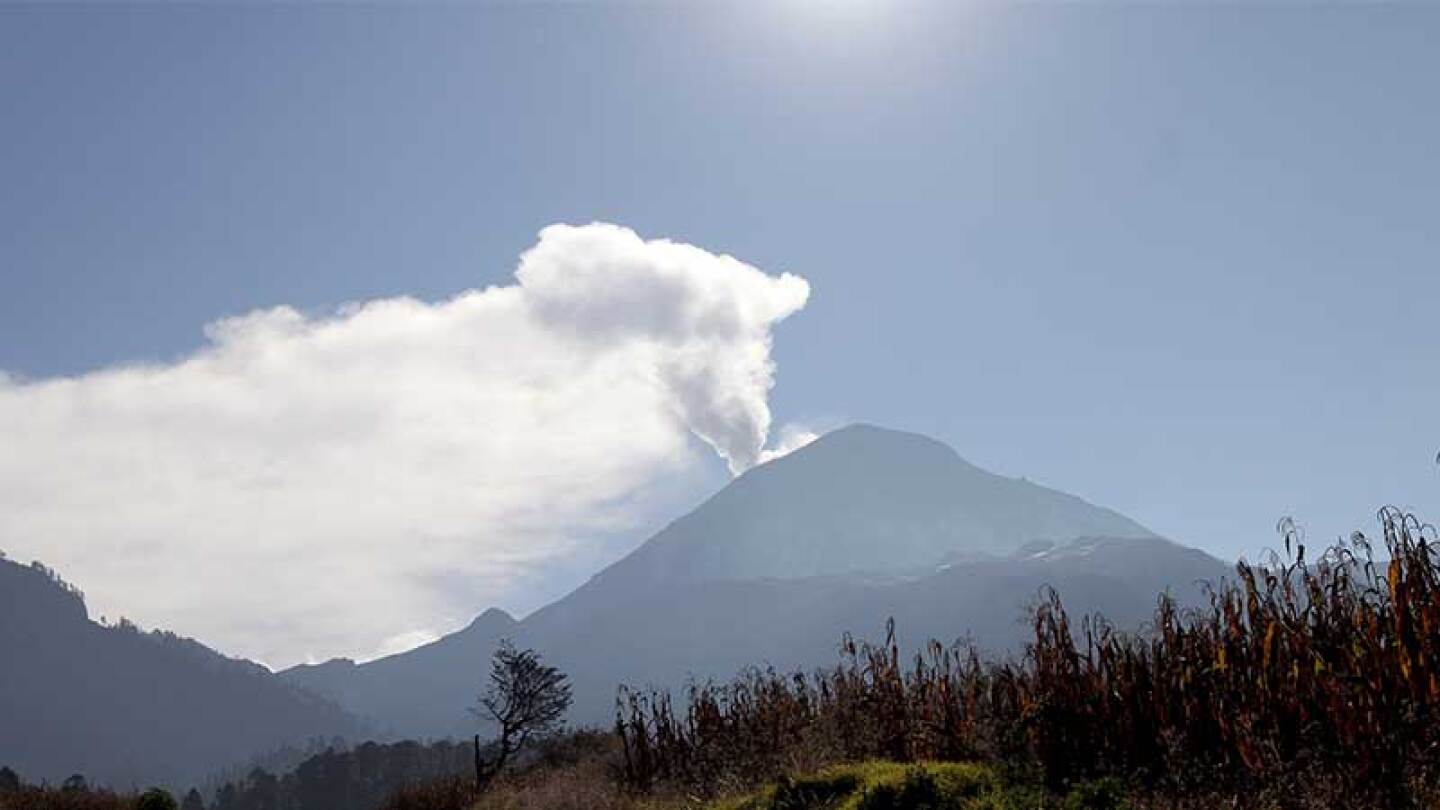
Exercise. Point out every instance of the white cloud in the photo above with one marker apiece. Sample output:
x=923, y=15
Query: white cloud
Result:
x=309, y=486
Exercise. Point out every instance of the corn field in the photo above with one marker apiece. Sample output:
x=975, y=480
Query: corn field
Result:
x=1327, y=667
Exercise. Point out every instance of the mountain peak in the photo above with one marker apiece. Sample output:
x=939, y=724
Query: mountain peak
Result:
x=34, y=590
x=864, y=500
x=863, y=443
x=868, y=431
x=490, y=620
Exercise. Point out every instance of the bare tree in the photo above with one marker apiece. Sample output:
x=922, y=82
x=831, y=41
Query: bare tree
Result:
x=526, y=698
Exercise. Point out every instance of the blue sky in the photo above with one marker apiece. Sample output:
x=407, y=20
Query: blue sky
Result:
x=1182, y=261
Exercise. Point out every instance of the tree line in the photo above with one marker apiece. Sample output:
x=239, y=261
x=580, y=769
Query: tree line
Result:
x=525, y=701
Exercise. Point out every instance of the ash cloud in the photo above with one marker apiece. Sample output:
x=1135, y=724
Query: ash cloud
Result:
x=289, y=491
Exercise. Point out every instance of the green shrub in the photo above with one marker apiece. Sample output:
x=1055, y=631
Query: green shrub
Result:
x=156, y=799
x=884, y=786
x=1102, y=794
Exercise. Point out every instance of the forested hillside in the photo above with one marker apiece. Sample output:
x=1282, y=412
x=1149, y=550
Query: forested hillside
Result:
x=126, y=707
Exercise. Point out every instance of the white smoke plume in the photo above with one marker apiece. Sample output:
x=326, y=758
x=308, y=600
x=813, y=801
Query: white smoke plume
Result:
x=309, y=486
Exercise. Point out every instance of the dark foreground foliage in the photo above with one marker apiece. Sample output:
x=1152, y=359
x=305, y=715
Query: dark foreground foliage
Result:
x=360, y=778
x=1301, y=680
x=577, y=770
x=75, y=794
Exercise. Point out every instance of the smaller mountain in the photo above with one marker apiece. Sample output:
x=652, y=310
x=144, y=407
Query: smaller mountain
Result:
x=384, y=686
x=128, y=708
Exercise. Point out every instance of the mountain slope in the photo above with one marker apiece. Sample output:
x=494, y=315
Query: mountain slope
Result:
x=861, y=525
x=864, y=499
x=129, y=708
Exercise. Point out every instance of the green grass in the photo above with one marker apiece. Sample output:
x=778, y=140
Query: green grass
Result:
x=924, y=786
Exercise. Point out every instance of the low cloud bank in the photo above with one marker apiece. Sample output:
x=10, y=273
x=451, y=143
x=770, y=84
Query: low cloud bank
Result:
x=310, y=486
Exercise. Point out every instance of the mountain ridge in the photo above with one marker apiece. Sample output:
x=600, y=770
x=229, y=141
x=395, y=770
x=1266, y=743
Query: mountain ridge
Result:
x=85, y=697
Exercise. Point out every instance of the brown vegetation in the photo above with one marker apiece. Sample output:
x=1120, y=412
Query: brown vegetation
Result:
x=1298, y=674
x=31, y=797
x=575, y=771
